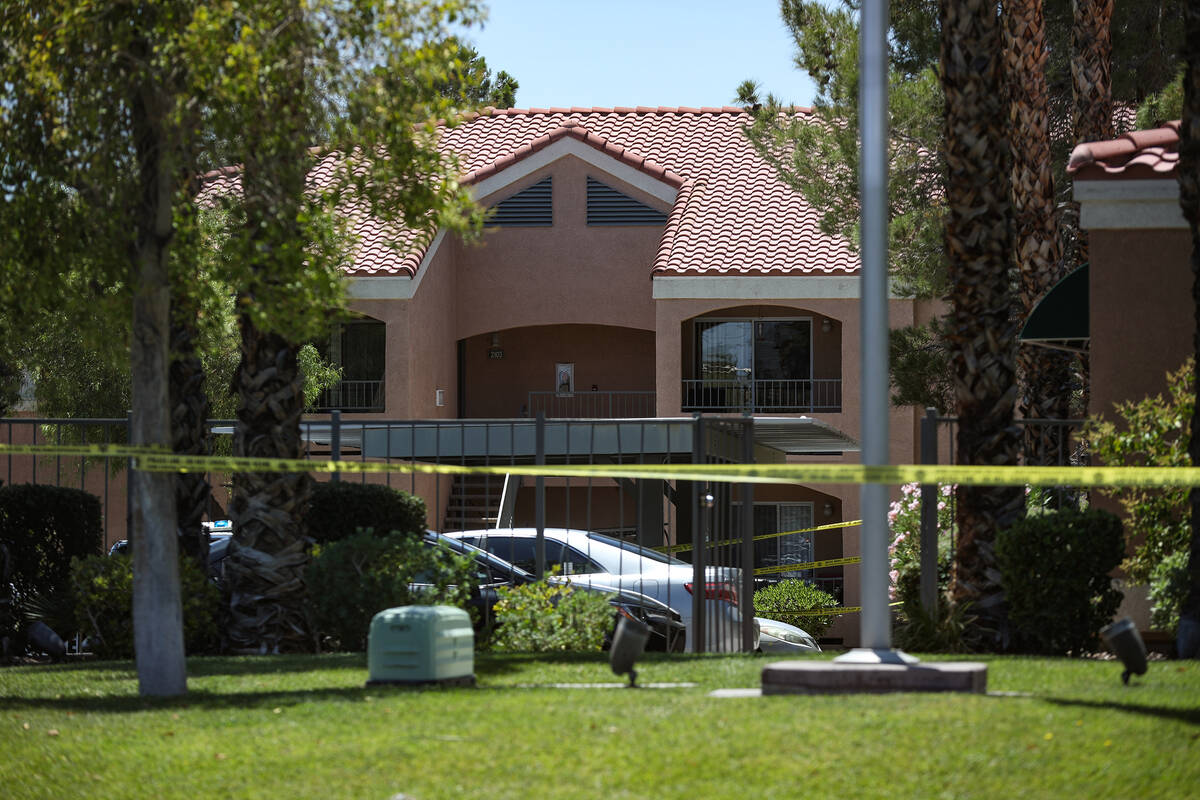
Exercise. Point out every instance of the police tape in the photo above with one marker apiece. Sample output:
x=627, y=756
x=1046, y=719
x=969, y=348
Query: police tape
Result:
x=829, y=562
x=683, y=548
x=156, y=460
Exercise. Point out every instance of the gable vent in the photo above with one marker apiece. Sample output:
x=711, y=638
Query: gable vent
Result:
x=607, y=206
x=529, y=207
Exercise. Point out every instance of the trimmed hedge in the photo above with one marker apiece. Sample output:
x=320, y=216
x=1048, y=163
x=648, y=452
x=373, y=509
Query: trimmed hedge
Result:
x=1055, y=571
x=788, y=600
x=44, y=527
x=338, y=510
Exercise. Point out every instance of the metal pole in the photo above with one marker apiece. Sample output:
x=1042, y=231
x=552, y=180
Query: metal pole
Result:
x=540, y=499
x=876, y=631
x=335, y=442
x=929, y=514
x=746, y=529
x=699, y=587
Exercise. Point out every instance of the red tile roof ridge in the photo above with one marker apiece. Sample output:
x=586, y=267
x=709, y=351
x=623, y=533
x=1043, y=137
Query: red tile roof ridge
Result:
x=575, y=129
x=500, y=112
x=1151, y=152
x=674, y=220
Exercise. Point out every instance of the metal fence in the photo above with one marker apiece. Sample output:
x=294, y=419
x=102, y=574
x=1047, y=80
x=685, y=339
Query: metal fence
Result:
x=1062, y=445
x=637, y=514
x=766, y=396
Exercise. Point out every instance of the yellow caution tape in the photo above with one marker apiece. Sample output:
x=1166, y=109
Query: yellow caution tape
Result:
x=683, y=548
x=154, y=460
x=829, y=562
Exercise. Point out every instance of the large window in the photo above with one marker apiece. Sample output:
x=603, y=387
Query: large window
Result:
x=358, y=348
x=757, y=365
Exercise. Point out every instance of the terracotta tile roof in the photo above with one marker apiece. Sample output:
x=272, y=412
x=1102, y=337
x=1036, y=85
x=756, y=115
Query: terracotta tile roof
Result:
x=1151, y=153
x=731, y=216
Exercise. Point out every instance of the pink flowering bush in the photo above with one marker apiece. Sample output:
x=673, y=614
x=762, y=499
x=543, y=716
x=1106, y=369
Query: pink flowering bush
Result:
x=904, y=521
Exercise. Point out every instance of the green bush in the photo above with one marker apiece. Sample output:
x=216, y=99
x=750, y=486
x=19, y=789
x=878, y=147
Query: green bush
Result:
x=338, y=510
x=351, y=580
x=103, y=590
x=1168, y=590
x=793, y=601
x=547, y=617
x=1055, y=572
x=43, y=528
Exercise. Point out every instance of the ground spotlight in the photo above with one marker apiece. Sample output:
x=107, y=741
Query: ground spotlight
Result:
x=1122, y=638
x=627, y=646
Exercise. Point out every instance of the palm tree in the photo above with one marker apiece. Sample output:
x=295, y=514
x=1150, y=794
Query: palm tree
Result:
x=1046, y=375
x=981, y=329
x=1189, y=199
x=268, y=553
x=189, y=416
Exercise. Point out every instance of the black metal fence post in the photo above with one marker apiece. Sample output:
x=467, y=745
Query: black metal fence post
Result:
x=540, y=499
x=929, y=514
x=699, y=520
x=746, y=528
x=335, y=442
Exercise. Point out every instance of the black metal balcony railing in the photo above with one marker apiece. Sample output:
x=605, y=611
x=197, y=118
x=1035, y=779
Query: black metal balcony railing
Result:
x=768, y=396
x=592, y=405
x=352, y=396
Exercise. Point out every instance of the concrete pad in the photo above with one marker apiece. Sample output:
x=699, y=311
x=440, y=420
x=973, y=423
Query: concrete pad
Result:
x=824, y=677
x=735, y=693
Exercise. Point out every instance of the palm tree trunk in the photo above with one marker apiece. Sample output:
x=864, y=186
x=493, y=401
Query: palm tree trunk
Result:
x=1188, y=639
x=266, y=560
x=189, y=436
x=1046, y=375
x=981, y=331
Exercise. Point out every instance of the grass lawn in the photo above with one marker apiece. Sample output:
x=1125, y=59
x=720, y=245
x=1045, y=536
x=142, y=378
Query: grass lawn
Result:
x=298, y=727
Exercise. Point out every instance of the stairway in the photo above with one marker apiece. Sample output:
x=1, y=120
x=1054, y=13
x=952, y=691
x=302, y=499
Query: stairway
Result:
x=474, y=502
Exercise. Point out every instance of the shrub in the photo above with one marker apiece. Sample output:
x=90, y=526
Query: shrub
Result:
x=338, y=510
x=547, y=617
x=43, y=528
x=1168, y=590
x=793, y=601
x=351, y=580
x=1055, y=572
x=103, y=590
x=904, y=520
x=1153, y=432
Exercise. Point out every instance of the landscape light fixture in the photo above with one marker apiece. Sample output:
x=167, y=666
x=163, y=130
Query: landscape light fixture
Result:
x=627, y=645
x=1122, y=638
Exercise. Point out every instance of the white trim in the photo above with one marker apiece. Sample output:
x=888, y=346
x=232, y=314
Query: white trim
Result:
x=394, y=287
x=570, y=146
x=1129, y=204
x=758, y=287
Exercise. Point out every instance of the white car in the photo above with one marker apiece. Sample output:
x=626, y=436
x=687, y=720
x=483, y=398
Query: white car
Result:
x=600, y=560
x=782, y=638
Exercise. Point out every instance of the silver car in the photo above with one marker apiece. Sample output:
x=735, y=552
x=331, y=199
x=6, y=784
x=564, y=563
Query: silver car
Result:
x=593, y=558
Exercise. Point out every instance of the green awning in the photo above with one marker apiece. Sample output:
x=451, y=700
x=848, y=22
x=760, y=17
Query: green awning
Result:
x=1061, y=319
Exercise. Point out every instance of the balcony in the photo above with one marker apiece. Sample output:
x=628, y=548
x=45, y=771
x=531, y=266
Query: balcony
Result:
x=591, y=405
x=351, y=396
x=763, y=396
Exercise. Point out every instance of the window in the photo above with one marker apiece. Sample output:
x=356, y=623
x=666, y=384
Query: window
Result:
x=792, y=548
x=521, y=551
x=757, y=365
x=358, y=347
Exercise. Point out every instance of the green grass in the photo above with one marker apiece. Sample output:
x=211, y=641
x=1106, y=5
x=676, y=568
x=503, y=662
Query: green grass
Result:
x=298, y=727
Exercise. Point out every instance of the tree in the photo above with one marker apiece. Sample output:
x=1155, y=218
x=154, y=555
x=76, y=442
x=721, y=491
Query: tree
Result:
x=474, y=85
x=980, y=329
x=1189, y=199
x=1046, y=375
x=94, y=141
x=361, y=83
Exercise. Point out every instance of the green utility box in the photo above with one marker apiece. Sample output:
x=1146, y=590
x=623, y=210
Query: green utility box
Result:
x=421, y=644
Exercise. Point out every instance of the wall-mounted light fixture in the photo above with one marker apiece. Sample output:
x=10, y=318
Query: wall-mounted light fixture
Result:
x=828, y=509
x=495, y=340
x=826, y=325
x=439, y=397
x=495, y=351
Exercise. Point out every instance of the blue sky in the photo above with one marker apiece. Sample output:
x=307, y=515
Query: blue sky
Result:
x=648, y=53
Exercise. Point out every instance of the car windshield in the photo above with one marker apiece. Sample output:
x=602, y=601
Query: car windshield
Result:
x=637, y=549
